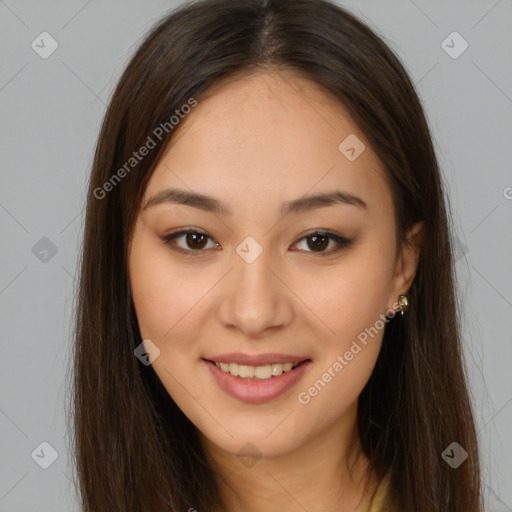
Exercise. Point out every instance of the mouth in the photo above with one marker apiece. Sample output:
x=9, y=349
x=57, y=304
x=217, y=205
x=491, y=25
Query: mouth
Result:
x=256, y=383
x=259, y=372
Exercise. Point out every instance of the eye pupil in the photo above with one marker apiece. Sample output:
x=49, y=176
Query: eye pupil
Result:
x=193, y=237
x=319, y=242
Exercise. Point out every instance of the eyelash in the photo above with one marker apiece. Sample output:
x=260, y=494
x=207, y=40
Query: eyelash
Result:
x=340, y=240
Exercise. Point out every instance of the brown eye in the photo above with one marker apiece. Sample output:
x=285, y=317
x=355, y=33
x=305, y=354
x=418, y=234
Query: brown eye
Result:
x=195, y=240
x=192, y=241
x=319, y=241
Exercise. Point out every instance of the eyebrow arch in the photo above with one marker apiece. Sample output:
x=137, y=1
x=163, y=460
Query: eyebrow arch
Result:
x=212, y=205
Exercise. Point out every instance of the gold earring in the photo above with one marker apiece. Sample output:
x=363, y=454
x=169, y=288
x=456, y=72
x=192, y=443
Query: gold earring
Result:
x=403, y=301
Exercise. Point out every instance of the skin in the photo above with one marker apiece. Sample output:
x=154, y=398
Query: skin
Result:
x=253, y=143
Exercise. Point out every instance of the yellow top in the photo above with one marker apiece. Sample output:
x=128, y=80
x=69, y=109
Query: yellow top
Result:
x=375, y=502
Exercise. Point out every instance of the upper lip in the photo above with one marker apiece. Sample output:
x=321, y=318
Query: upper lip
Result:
x=256, y=359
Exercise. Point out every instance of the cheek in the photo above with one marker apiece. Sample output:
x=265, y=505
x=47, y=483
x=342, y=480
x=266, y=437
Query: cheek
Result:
x=164, y=295
x=166, y=300
x=350, y=299
x=351, y=305
x=350, y=296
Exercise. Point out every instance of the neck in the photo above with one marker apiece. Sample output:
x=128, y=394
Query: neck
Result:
x=328, y=472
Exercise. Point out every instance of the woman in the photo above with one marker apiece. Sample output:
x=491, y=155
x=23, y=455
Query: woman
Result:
x=266, y=317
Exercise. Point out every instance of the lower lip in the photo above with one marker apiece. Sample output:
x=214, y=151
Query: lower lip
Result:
x=256, y=390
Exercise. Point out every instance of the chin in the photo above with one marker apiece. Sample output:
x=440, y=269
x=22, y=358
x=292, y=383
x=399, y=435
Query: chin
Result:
x=249, y=439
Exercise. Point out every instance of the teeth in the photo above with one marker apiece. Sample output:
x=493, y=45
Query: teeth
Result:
x=246, y=372
x=277, y=369
x=264, y=372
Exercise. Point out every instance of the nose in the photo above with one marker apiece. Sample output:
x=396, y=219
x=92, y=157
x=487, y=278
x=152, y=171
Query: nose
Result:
x=255, y=299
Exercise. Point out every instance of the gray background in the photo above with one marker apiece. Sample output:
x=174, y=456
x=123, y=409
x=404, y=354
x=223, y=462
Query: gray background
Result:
x=50, y=115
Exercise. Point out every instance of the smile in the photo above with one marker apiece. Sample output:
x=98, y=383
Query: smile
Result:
x=266, y=371
x=256, y=383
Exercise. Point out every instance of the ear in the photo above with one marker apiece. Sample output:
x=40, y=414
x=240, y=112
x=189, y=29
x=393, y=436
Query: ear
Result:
x=407, y=262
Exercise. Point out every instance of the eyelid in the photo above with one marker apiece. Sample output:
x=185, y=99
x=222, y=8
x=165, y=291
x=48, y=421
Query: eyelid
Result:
x=342, y=241
x=167, y=239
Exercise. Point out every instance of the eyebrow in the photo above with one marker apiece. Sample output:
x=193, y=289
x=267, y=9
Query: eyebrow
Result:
x=212, y=205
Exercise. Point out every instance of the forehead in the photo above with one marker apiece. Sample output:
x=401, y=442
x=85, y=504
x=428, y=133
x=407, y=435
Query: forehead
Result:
x=273, y=136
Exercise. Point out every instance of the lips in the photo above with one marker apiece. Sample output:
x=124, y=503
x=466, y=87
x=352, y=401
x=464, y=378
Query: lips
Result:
x=253, y=390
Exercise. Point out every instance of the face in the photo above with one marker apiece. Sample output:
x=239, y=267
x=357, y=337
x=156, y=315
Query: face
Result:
x=261, y=275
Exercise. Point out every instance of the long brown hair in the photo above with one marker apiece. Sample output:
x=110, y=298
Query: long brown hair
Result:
x=135, y=450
